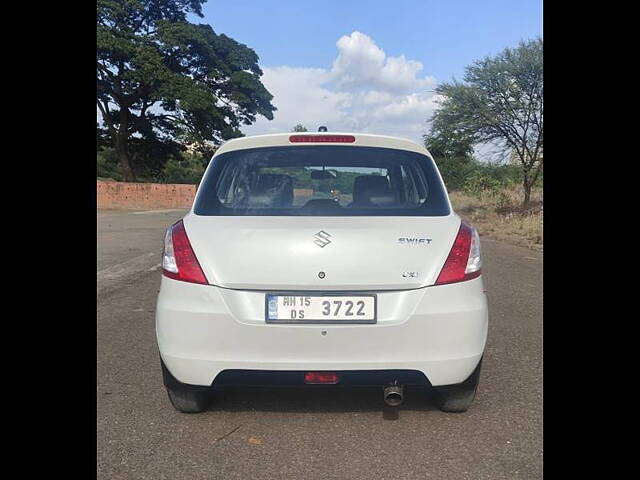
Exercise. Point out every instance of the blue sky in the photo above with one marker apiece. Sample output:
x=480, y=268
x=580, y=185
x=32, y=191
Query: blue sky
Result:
x=367, y=65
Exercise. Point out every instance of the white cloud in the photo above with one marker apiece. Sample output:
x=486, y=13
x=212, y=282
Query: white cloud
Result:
x=361, y=64
x=364, y=91
x=300, y=97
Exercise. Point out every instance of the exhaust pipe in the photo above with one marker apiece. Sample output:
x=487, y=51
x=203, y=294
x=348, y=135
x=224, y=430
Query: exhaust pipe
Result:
x=393, y=395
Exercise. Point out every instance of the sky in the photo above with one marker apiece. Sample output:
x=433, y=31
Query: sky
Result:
x=367, y=65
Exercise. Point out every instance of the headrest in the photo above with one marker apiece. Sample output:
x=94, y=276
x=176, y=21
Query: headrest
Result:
x=272, y=190
x=372, y=190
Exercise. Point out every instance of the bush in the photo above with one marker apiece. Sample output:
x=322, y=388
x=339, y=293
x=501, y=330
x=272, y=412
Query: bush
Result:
x=478, y=178
x=186, y=168
x=479, y=182
x=473, y=176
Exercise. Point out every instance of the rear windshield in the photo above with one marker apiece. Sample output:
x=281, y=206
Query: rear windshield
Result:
x=322, y=181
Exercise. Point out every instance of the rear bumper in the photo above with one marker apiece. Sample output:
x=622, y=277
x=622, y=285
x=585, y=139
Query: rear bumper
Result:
x=292, y=377
x=205, y=332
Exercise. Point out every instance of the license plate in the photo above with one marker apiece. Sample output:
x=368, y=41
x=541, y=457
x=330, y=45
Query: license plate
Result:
x=290, y=308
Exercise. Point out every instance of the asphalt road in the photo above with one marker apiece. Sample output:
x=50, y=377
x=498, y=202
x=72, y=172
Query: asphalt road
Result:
x=326, y=433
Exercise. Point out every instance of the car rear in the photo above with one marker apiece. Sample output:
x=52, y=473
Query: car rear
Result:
x=321, y=258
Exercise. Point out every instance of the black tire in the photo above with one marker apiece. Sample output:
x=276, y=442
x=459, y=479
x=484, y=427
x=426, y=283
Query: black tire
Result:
x=188, y=402
x=458, y=398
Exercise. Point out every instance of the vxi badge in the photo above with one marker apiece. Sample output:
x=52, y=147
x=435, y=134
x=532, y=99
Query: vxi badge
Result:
x=414, y=241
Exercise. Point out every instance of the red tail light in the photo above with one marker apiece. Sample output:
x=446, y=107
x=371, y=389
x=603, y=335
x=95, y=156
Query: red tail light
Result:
x=322, y=139
x=178, y=260
x=320, y=377
x=463, y=262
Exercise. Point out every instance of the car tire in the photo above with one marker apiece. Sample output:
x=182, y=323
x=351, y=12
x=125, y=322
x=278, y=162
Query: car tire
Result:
x=188, y=402
x=458, y=398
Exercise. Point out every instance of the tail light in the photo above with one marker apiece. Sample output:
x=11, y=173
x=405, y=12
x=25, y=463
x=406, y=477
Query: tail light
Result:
x=463, y=262
x=178, y=260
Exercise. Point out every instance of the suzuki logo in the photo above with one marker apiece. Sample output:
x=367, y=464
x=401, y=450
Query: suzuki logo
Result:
x=322, y=239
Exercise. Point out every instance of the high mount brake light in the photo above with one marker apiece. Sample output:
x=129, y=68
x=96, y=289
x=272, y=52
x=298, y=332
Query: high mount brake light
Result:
x=463, y=262
x=178, y=260
x=322, y=139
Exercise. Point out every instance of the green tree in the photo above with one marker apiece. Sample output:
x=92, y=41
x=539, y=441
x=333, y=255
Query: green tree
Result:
x=444, y=142
x=107, y=164
x=500, y=100
x=162, y=79
x=452, y=153
x=299, y=128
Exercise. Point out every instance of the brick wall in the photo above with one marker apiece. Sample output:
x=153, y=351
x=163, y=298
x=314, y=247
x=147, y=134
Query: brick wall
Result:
x=123, y=195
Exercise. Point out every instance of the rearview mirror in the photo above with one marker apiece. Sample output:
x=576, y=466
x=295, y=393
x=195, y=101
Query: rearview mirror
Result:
x=322, y=175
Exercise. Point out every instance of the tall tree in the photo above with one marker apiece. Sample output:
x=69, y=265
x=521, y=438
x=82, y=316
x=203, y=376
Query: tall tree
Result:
x=500, y=100
x=299, y=128
x=162, y=79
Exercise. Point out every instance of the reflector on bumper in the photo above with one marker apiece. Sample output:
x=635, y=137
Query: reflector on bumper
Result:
x=320, y=377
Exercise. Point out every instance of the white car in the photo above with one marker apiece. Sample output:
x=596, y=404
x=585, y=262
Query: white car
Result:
x=321, y=258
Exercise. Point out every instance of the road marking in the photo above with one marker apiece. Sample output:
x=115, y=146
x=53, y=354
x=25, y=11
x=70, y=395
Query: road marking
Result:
x=124, y=269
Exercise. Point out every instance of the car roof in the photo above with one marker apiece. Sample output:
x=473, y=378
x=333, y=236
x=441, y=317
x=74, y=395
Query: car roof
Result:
x=282, y=139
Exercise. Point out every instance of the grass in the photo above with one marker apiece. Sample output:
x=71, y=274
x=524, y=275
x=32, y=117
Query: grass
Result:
x=499, y=215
